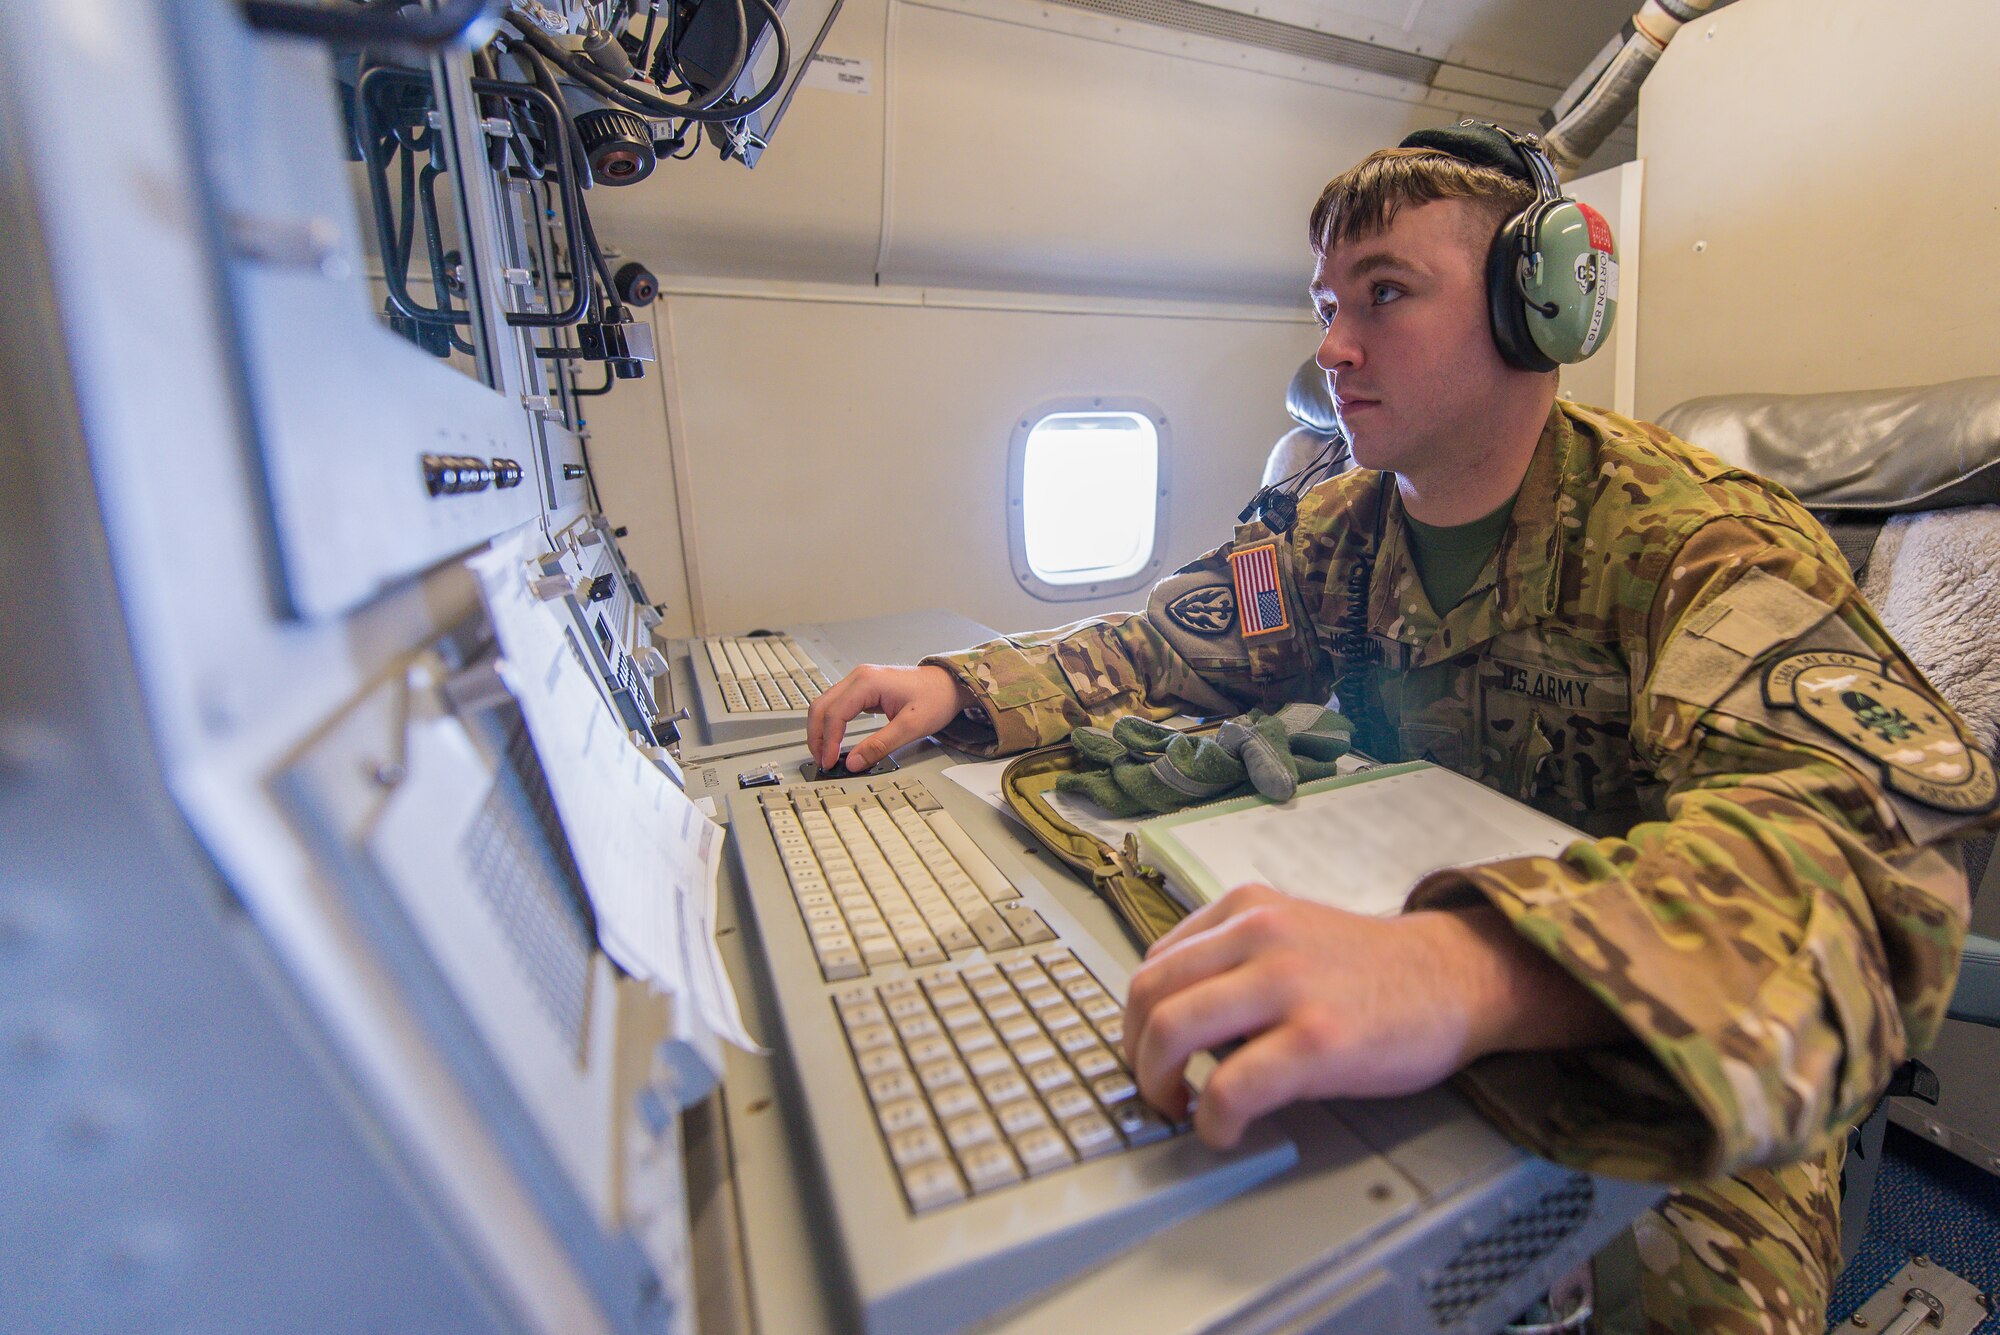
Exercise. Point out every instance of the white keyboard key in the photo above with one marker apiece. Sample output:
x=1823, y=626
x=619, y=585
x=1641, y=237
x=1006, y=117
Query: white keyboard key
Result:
x=924, y=952
x=1003, y=1004
x=976, y=1039
x=1092, y=1135
x=1004, y=1088
x=1100, y=1008
x=1050, y=1075
x=1093, y=1062
x=1063, y=968
x=1033, y=1051
x=920, y=1145
x=956, y=1101
x=1027, y=924
x=936, y=1048
x=841, y=962
x=955, y=936
x=881, y=1060
x=863, y=1013
x=908, y=1002
x=948, y=994
x=1021, y=1117
x=915, y=1027
x=1043, y=1149
x=879, y=950
x=890, y=1086
x=1113, y=1030
x=964, y=1016
x=930, y=1185
x=903, y=1115
x=992, y=1061
x=1069, y=1102
x=1017, y=1029
x=991, y=929
x=1076, y=1040
x=1058, y=1018
x=1041, y=996
x=938, y=1074
x=990, y=1166
x=975, y=1129
x=1113, y=1088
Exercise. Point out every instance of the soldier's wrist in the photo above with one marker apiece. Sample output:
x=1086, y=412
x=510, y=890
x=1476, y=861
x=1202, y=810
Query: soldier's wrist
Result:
x=1511, y=996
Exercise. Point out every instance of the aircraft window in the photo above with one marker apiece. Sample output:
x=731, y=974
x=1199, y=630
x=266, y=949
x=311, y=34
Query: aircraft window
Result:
x=1087, y=490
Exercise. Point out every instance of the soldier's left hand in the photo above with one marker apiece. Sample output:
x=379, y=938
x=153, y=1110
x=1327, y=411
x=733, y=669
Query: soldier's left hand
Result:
x=1335, y=1004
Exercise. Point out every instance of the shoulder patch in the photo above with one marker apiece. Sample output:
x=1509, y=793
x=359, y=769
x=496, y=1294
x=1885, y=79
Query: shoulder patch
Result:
x=1209, y=610
x=1922, y=753
x=1260, y=598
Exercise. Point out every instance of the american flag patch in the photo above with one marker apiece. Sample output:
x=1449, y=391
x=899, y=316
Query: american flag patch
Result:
x=1260, y=603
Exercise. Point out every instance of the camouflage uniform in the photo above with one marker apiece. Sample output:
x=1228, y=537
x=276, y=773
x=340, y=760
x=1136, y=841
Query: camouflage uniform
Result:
x=1670, y=654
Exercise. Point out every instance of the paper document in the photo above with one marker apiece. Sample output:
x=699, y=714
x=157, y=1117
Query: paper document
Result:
x=981, y=778
x=647, y=857
x=1358, y=842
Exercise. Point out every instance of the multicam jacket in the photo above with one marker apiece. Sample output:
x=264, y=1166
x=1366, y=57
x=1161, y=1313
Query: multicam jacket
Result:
x=1670, y=654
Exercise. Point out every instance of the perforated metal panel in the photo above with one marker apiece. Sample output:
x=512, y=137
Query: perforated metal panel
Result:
x=1229, y=26
x=1487, y=1263
x=520, y=860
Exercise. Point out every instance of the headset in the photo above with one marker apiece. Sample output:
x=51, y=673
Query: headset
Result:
x=1552, y=274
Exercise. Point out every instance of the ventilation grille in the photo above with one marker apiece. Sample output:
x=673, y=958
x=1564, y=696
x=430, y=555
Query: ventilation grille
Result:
x=1248, y=30
x=1484, y=1266
x=517, y=854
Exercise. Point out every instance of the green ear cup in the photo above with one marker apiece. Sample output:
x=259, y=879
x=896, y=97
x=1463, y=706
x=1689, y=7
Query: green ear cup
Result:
x=1576, y=275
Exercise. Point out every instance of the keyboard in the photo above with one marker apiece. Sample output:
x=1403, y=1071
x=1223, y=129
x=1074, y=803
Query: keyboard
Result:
x=761, y=674
x=957, y=1042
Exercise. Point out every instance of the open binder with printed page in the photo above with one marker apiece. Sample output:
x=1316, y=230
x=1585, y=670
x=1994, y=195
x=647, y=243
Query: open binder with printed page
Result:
x=1357, y=841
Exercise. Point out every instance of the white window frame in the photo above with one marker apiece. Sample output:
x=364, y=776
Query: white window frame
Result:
x=1017, y=532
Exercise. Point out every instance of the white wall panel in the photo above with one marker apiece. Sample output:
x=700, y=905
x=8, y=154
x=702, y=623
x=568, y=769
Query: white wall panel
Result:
x=1028, y=159
x=849, y=459
x=1822, y=200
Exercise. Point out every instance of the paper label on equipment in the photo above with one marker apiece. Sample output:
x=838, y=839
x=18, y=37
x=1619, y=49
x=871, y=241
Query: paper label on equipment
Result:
x=840, y=74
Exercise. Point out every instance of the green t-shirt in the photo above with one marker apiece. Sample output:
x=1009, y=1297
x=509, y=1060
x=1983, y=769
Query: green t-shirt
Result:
x=1448, y=559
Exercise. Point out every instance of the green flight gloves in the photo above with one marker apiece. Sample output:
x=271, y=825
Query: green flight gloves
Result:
x=1140, y=768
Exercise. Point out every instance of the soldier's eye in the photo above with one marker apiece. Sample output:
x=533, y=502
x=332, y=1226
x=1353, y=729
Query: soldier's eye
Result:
x=1384, y=294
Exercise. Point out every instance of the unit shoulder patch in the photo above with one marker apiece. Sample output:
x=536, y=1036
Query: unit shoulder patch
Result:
x=1922, y=753
x=1260, y=596
x=1209, y=610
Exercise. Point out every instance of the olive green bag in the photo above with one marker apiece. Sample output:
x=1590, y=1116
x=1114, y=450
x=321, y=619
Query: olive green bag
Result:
x=1149, y=913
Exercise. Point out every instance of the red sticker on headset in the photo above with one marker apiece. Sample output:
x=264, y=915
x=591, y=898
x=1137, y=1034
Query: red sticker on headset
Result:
x=1600, y=230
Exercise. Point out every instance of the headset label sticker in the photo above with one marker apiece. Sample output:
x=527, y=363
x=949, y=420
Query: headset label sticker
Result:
x=1922, y=754
x=1600, y=230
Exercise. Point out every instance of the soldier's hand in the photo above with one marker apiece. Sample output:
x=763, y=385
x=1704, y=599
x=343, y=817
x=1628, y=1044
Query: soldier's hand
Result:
x=918, y=701
x=1335, y=1004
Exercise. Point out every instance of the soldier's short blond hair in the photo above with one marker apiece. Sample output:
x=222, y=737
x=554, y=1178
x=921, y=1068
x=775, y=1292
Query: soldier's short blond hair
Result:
x=1362, y=201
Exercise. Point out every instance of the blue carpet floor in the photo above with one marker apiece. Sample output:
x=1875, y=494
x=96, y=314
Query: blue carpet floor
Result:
x=1927, y=1202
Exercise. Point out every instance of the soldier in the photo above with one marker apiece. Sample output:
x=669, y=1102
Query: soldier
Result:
x=1602, y=620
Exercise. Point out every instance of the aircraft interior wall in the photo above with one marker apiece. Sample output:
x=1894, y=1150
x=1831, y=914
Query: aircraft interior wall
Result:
x=1846, y=243
x=1025, y=202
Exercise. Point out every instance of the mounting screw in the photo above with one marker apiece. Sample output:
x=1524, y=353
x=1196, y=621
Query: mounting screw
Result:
x=1859, y=1321
x=1921, y=1260
x=572, y=472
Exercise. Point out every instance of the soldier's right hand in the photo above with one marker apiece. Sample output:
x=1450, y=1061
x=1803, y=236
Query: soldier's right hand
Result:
x=918, y=701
